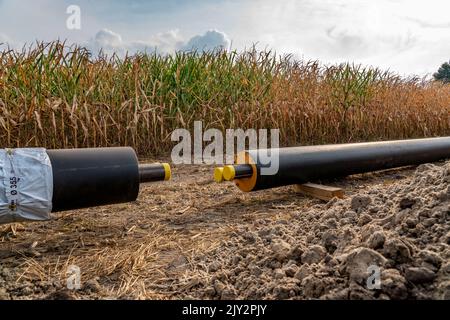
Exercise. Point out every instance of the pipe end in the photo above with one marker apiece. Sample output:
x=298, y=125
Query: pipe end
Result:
x=167, y=171
x=229, y=173
x=218, y=174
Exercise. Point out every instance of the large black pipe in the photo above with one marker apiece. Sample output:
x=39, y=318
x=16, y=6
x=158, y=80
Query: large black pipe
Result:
x=311, y=163
x=85, y=178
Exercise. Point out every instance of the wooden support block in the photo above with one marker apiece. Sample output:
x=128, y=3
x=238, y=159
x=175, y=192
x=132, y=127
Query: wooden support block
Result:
x=320, y=191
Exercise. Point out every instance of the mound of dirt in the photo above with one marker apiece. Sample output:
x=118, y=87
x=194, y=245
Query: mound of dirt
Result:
x=400, y=232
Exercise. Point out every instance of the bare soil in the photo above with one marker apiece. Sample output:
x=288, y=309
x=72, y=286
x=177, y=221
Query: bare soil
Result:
x=192, y=238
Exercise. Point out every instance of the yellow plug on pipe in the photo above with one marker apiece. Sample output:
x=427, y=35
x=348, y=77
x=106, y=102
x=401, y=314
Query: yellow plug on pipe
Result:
x=218, y=174
x=229, y=173
x=167, y=171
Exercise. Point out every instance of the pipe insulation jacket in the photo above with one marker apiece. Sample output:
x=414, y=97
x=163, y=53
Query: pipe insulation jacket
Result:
x=26, y=185
x=36, y=182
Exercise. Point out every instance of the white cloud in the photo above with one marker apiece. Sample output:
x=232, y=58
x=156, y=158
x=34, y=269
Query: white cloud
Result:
x=405, y=36
x=211, y=40
x=167, y=42
x=429, y=24
x=108, y=39
x=164, y=42
x=364, y=43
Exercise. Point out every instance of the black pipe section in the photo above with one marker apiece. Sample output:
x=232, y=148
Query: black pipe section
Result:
x=305, y=164
x=84, y=178
x=152, y=173
x=242, y=171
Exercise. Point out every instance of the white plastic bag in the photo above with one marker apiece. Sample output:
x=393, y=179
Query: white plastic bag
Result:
x=26, y=185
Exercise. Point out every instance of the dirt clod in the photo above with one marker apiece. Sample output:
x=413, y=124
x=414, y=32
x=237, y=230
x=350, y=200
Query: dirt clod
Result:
x=281, y=249
x=359, y=260
x=376, y=240
x=419, y=275
x=315, y=254
x=360, y=202
x=394, y=284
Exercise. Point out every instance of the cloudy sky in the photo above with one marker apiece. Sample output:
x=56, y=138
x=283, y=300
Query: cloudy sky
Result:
x=406, y=36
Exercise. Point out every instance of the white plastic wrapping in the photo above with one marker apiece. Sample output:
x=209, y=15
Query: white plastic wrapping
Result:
x=26, y=185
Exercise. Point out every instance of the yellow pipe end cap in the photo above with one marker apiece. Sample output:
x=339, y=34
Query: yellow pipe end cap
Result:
x=229, y=173
x=167, y=171
x=218, y=175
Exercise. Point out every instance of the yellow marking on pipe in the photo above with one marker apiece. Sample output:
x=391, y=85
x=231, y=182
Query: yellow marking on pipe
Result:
x=218, y=174
x=229, y=173
x=167, y=171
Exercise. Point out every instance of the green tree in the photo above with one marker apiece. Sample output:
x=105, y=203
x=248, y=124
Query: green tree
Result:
x=443, y=73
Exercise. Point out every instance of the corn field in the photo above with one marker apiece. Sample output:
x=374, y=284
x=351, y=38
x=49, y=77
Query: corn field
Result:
x=59, y=96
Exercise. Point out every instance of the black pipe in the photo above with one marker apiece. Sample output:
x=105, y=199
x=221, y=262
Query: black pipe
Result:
x=311, y=163
x=85, y=178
